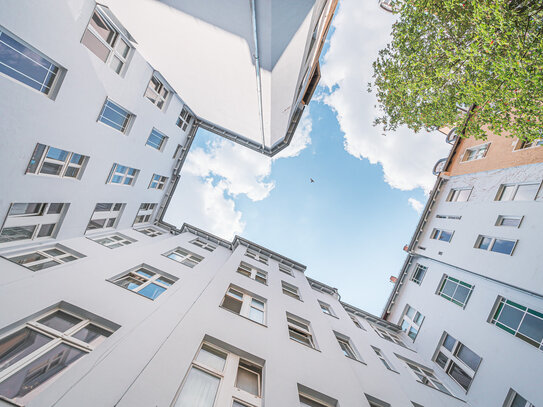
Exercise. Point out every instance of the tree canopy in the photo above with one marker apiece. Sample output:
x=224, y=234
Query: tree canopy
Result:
x=445, y=53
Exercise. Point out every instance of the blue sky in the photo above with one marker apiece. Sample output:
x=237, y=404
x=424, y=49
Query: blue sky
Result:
x=349, y=227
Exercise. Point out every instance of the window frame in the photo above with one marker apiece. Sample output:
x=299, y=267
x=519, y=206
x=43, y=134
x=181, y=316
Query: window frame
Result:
x=510, y=398
x=302, y=328
x=204, y=244
x=501, y=218
x=157, y=275
x=347, y=347
x=326, y=309
x=436, y=234
x=64, y=165
x=384, y=359
x=425, y=376
x=473, y=153
x=128, y=121
x=411, y=323
x=260, y=257
x=455, y=193
x=189, y=259
x=390, y=336
x=415, y=276
x=285, y=269
x=150, y=231
x=290, y=290
x=253, y=273
x=184, y=118
x=246, y=304
x=480, y=239
x=158, y=182
x=108, y=216
x=60, y=259
x=124, y=175
x=444, y=279
x=122, y=240
x=502, y=188
x=163, y=140
x=158, y=96
x=145, y=213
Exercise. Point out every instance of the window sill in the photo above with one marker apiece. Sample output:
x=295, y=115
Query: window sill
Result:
x=243, y=316
x=357, y=360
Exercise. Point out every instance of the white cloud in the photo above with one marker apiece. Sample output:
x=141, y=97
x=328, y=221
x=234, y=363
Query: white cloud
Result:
x=301, y=138
x=416, y=205
x=361, y=29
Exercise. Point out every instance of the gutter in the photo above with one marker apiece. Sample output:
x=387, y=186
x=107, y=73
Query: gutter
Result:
x=257, y=69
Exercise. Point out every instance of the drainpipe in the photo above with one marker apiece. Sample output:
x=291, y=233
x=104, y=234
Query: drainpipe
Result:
x=257, y=68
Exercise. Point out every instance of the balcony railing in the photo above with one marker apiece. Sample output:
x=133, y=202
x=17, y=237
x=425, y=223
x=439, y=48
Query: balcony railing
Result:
x=386, y=5
x=452, y=136
x=439, y=166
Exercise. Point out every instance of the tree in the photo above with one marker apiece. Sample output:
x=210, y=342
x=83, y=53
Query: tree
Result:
x=446, y=53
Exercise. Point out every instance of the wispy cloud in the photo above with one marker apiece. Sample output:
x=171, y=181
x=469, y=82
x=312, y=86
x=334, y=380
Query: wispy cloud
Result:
x=416, y=205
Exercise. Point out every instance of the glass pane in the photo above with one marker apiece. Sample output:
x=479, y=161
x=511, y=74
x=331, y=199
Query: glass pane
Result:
x=122, y=48
x=410, y=312
x=57, y=154
x=29, y=209
x=519, y=401
x=92, y=334
x=39, y=371
x=129, y=282
x=232, y=304
x=412, y=333
x=463, y=195
x=256, y=315
x=50, y=168
x=96, y=224
x=16, y=233
x=503, y=246
x=305, y=402
x=60, y=321
x=469, y=357
x=152, y=291
x=448, y=288
x=484, y=243
x=507, y=193
x=55, y=208
x=145, y=273
x=212, y=358
x=95, y=45
x=116, y=64
x=510, y=316
x=103, y=207
x=449, y=342
x=103, y=30
x=247, y=380
x=460, y=376
x=532, y=327
x=16, y=346
x=54, y=252
x=461, y=294
x=41, y=266
x=445, y=236
x=441, y=360
x=199, y=390
x=71, y=172
x=165, y=281
x=526, y=192
x=46, y=230
x=299, y=337
x=27, y=258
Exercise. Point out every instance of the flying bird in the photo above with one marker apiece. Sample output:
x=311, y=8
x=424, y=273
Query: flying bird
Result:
x=312, y=180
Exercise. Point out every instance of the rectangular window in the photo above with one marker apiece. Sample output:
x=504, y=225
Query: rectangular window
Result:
x=388, y=335
x=204, y=244
x=457, y=360
x=157, y=93
x=37, y=351
x=375, y=402
x=184, y=119
x=475, y=153
x=28, y=66
x=327, y=309
x=356, y=322
x=157, y=182
x=299, y=330
x=495, y=244
x=156, y=140
x=411, y=322
x=183, y=256
x=208, y=380
x=29, y=221
x=347, y=347
x=115, y=116
x=260, y=257
x=290, y=290
x=245, y=304
x=56, y=162
x=523, y=144
x=459, y=194
x=107, y=43
x=520, y=321
x=285, y=269
x=456, y=291
x=105, y=215
x=177, y=151
x=145, y=213
x=114, y=240
x=256, y=274
x=514, y=399
x=145, y=280
x=418, y=274
x=383, y=359
x=517, y=192
x=311, y=398
x=513, y=221
x=151, y=232
x=122, y=175
x=44, y=257
x=443, y=235
x=426, y=376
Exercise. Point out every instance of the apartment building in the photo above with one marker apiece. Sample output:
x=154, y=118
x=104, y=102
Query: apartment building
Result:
x=470, y=293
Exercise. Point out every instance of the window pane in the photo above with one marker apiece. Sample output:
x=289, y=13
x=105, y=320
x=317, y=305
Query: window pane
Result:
x=103, y=30
x=41, y=266
x=448, y=288
x=16, y=346
x=95, y=45
x=145, y=273
x=39, y=371
x=29, y=209
x=532, y=327
x=449, y=342
x=247, y=380
x=232, y=304
x=503, y=246
x=460, y=376
x=463, y=195
x=445, y=236
x=441, y=360
x=36, y=157
x=92, y=334
x=60, y=321
x=27, y=258
x=519, y=401
x=199, y=390
x=212, y=358
x=461, y=294
x=507, y=193
x=129, y=282
x=526, y=192
x=55, y=208
x=152, y=291
x=469, y=357
x=16, y=233
x=305, y=402
x=46, y=230
x=484, y=243
x=256, y=315
x=510, y=316
x=50, y=168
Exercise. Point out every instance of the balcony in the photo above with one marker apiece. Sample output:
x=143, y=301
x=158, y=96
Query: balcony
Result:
x=439, y=166
x=386, y=5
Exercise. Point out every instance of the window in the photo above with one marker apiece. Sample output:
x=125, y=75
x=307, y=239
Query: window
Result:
x=157, y=140
x=327, y=309
x=305, y=401
x=177, y=151
x=204, y=244
x=454, y=217
x=454, y=290
x=457, y=360
x=157, y=182
x=28, y=221
x=145, y=280
x=115, y=116
x=37, y=351
x=151, y=232
x=247, y=305
x=285, y=269
x=517, y=192
x=426, y=376
x=388, y=335
x=311, y=398
x=185, y=257
x=253, y=273
x=157, y=93
x=44, y=257
x=476, y=153
x=513, y=221
x=383, y=359
x=262, y=258
x=411, y=322
x=443, y=235
x=347, y=347
x=523, y=144
x=184, y=119
x=520, y=321
x=114, y=240
x=58, y=163
x=418, y=274
x=122, y=175
x=145, y=213
x=290, y=290
x=495, y=244
x=207, y=380
x=514, y=399
x=106, y=42
x=356, y=321
x=105, y=215
x=375, y=402
x=299, y=330
x=459, y=194
x=28, y=66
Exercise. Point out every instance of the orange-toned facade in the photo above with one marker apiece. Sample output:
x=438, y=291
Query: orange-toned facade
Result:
x=502, y=152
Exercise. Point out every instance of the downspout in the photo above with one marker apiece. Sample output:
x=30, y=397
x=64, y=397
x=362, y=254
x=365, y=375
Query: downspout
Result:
x=257, y=68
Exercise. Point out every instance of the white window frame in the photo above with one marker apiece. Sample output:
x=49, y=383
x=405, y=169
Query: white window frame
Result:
x=124, y=175
x=510, y=398
x=146, y=281
x=418, y=268
x=347, y=347
x=326, y=308
x=388, y=335
x=65, y=165
x=438, y=233
x=426, y=376
x=111, y=217
x=260, y=257
x=116, y=240
x=163, y=141
x=455, y=193
x=204, y=244
x=502, y=218
x=475, y=153
x=525, y=144
x=247, y=303
x=480, y=239
x=384, y=359
x=411, y=324
x=300, y=327
x=290, y=290
x=188, y=258
x=145, y=213
x=67, y=255
x=356, y=321
x=161, y=101
x=446, y=278
x=184, y=119
x=285, y=269
x=117, y=108
x=515, y=186
x=253, y=273
x=158, y=182
x=150, y=231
